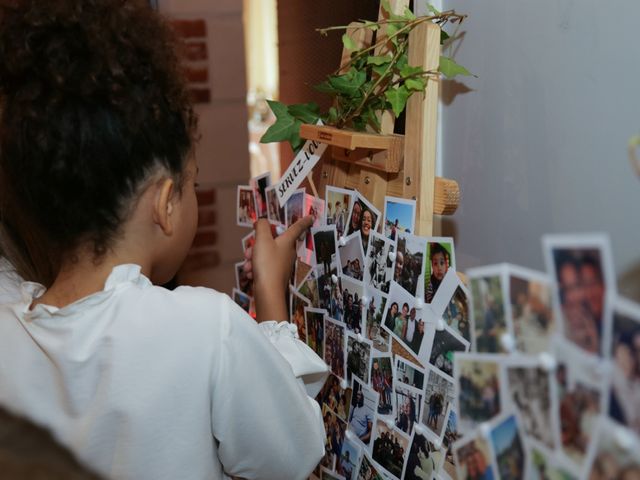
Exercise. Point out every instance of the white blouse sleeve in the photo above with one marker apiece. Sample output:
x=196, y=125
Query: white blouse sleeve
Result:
x=265, y=424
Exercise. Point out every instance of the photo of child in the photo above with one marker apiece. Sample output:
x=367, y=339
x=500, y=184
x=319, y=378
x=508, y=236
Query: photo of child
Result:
x=440, y=258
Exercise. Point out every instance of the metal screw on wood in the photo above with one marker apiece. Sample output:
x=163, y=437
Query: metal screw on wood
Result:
x=325, y=175
x=407, y=180
x=367, y=180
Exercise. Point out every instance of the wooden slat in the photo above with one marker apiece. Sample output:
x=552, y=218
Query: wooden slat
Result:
x=383, y=160
x=349, y=139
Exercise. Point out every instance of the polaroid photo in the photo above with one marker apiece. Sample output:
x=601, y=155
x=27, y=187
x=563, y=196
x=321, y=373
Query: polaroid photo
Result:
x=325, y=246
x=440, y=347
x=352, y=256
x=581, y=270
x=530, y=309
x=382, y=381
x=399, y=216
x=332, y=394
x=334, y=346
x=243, y=283
x=451, y=433
x=409, y=267
x=403, y=321
x=477, y=378
x=409, y=373
x=508, y=446
x=368, y=469
x=363, y=217
x=339, y=203
x=294, y=208
x=335, y=307
x=248, y=241
x=309, y=288
x=488, y=287
x=275, y=213
x=349, y=458
x=438, y=402
x=359, y=357
x=378, y=267
x=301, y=271
x=473, y=457
x=613, y=453
x=439, y=258
x=259, y=184
x=451, y=303
x=424, y=460
x=335, y=429
x=297, y=304
x=390, y=448
x=408, y=407
x=326, y=474
x=246, y=207
x=545, y=464
x=315, y=207
x=529, y=389
x=244, y=300
x=314, y=324
x=374, y=312
x=624, y=352
x=362, y=411
x=352, y=309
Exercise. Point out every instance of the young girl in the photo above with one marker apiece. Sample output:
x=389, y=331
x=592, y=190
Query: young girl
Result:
x=137, y=381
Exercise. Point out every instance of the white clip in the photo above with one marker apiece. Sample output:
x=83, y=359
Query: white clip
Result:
x=280, y=229
x=508, y=342
x=350, y=435
x=419, y=429
x=390, y=423
x=485, y=429
x=334, y=278
x=360, y=338
x=342, y=242
x=547, y=361
x=624, y=438
x=440, y=325
x=392, y=256
x=437, y=444
x=365, y=300
x=419, y=303
x=343, y=384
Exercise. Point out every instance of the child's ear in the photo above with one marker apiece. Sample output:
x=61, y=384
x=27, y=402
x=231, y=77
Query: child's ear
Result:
x=163, y=205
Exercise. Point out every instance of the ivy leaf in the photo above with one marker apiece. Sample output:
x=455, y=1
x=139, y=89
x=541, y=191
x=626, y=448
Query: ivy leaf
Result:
x=408, y=71
x=416, y=84
x=433, y=9
x=444, y=36
x=332, y=117
x=449, y=68
x=348, y=84
x=397, y=97
x=408, y=14
x=348, y=42
x=379, y=69
x=326, y=87
x=284, y=127
x=379, y=59
x=305, y=112
x=403, y=61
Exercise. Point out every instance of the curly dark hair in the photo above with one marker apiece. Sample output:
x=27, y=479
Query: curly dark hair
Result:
x=92, y=101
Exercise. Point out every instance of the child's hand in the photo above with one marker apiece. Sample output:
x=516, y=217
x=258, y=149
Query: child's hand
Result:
x=271, y=263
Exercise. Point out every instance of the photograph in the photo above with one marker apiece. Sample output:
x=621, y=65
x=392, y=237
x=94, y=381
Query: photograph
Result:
x=336, y=301
x=332, y=394
x=473, y=458
x=242, y=299
x=378, y=267
x=456, y=313
x=582, y=270
x=243, y=283
x=302, y=269
x=528, y=391
x=350, y=304
x=382, y=382
x=349, y=457
x=362, y=412
x=314, y=325
x=608, y=458
x=530, y=309
x=451, y=434
x=246, y=206
x=403, y=320
x=294, y=208
x=399, y=216
x=477, y=381
x=508, y=448
x=488, y=315
x=367, y=470
x=338, y=206
x=315, y=207
x=325, y=248
x=624, y=394
x=445, y=344
x=326, y=474
x=408, y=407
x=352, y=256
x=364, y=217
x=545, y=464
x=297, y=304
x=373, y=320
x=334, y=428
x=275, y=213
x=440, y=256
x=334, y=352
x=438, y=400
x=309, y=287
x=409, y=266
x=248, y=241
x=409, y=374
x=259, y=184
x=390, y=449
x=424, y=460
x=358, y=358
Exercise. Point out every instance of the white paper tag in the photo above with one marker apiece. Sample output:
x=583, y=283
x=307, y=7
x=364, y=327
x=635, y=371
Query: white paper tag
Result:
x=300, y=167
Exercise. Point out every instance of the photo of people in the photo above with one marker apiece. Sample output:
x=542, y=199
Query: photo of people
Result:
x=473, y=458
x=445, y=345
x=348, y=460
x=352, y=256
x=246, y=207
x=624, y=396
x=438, y=398
x=451, y=434
x=243, y=283
x=489, y=319
x=302, y=269
x=529, y=389
x=531, y=310
x=390, y=448
x=456, y=314
x=326, y=474
x=325, y=248
x=258, y=185
x=358, y=358
x=367, y=471
x=294, y=208
x=242, y=299
x=364, y=402
x=334, y=346
x=408, y=373
x=297, y=304
x=477, y=379
x=352, y=310
x=382, y=382
x=315, y=207
x=545, y=464
x=336, y=300
x=408, y=405
x=508, y=448
x=440, y=257
x=338, y=206
x=610, y=460
x=582, y=281
x=373, y=320
x=248, y=241
x=424, y=460
x=364, y=218
x=334, y=428
x=409, y=261
x=379, y=268
x=399, y=216
x=275, y=213
x=335, y=397
x=309, y=288
x=314, y=322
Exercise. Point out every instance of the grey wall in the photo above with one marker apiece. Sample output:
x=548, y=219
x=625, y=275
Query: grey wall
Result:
x=538, y=143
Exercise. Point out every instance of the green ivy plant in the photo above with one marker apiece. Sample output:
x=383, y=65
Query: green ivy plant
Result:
x=369, y=83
